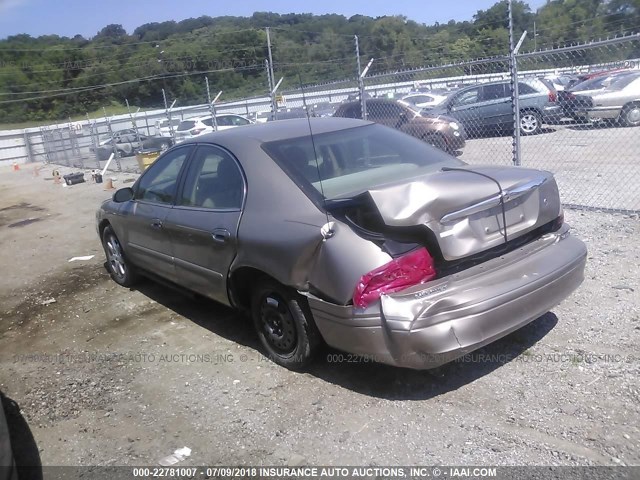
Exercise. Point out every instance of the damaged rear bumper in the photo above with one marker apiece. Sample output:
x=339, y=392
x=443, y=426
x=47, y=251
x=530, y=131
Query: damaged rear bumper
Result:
x=431, y=324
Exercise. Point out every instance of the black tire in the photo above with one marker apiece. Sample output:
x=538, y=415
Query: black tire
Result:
x=530, y=122
x=284, y=325
x=120, y=269
x=437, y=141
x=164, y=146
x=630, y=115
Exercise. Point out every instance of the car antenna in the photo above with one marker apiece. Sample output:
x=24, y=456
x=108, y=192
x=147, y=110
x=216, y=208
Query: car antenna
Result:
x=327, y=229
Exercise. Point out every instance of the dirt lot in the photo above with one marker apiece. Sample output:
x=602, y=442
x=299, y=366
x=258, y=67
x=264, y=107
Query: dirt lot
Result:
x=109, y=376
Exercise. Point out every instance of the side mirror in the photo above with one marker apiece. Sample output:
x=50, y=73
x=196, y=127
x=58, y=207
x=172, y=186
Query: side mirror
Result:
x=123, y=195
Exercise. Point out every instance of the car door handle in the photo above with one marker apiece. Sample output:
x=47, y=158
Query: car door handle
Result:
x=157, y=224
x=220, y=235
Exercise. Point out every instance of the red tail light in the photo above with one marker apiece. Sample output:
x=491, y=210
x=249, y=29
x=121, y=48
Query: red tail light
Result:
x=552, y=96
x=197, y=131
x=402, y=272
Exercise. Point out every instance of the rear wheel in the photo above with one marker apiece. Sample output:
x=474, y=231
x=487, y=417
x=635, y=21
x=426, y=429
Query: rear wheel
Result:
x=121, y=271
x=530, y=122
x=630, y=115
x=284, y=325
x=164, y=146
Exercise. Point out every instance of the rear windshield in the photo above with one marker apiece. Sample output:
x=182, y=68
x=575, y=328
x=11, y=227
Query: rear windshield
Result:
x=351, y=161
x=186, y=125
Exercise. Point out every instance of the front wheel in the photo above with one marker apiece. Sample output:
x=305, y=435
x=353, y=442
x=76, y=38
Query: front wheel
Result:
x=630, y=116
x=530, y=123
x=284, y=325
x=121, y=271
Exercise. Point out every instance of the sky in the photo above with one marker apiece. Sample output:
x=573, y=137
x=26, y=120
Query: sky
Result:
x=87, y=17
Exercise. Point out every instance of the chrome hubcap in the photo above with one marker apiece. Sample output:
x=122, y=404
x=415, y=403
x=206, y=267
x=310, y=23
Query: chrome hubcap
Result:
x=115, y=258
x=529, y=123
x=633, y=115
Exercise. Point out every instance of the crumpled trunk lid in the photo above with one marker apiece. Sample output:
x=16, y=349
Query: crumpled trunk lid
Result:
x=464, y=209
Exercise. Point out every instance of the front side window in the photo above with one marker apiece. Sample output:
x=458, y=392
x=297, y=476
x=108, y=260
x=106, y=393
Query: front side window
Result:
x=466, y=98
x=159, y=182
x=213, y=181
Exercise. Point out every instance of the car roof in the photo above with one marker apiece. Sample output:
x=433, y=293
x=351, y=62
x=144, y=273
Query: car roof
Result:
x=280, y=130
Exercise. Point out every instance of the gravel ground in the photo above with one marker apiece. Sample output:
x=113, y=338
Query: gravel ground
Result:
x=110, y=376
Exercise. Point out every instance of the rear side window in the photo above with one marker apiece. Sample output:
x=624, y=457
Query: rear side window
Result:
x=186, y=125
x=213, y=181
x=239, y=121
x=494, y=92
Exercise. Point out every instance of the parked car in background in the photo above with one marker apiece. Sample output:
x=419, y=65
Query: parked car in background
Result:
x=562, y=82
x=163, y=129
x=438, y=130
x=487, y=106
x=576, y=99
x=351, y=233
x=618, y=100
x=193, y=127
x=289, y=113
x=127, y=143
x=424, y=100
x=262, y=117
x=323, y=109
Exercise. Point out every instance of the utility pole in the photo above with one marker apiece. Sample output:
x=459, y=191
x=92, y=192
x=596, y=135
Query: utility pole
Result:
x=535, y=37
x=270, y=59
x=355, y=37
x=363, y=102
x=269, y=79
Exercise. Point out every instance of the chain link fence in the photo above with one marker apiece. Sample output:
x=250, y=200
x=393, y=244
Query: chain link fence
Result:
x=589, y=138
x=593, y=146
